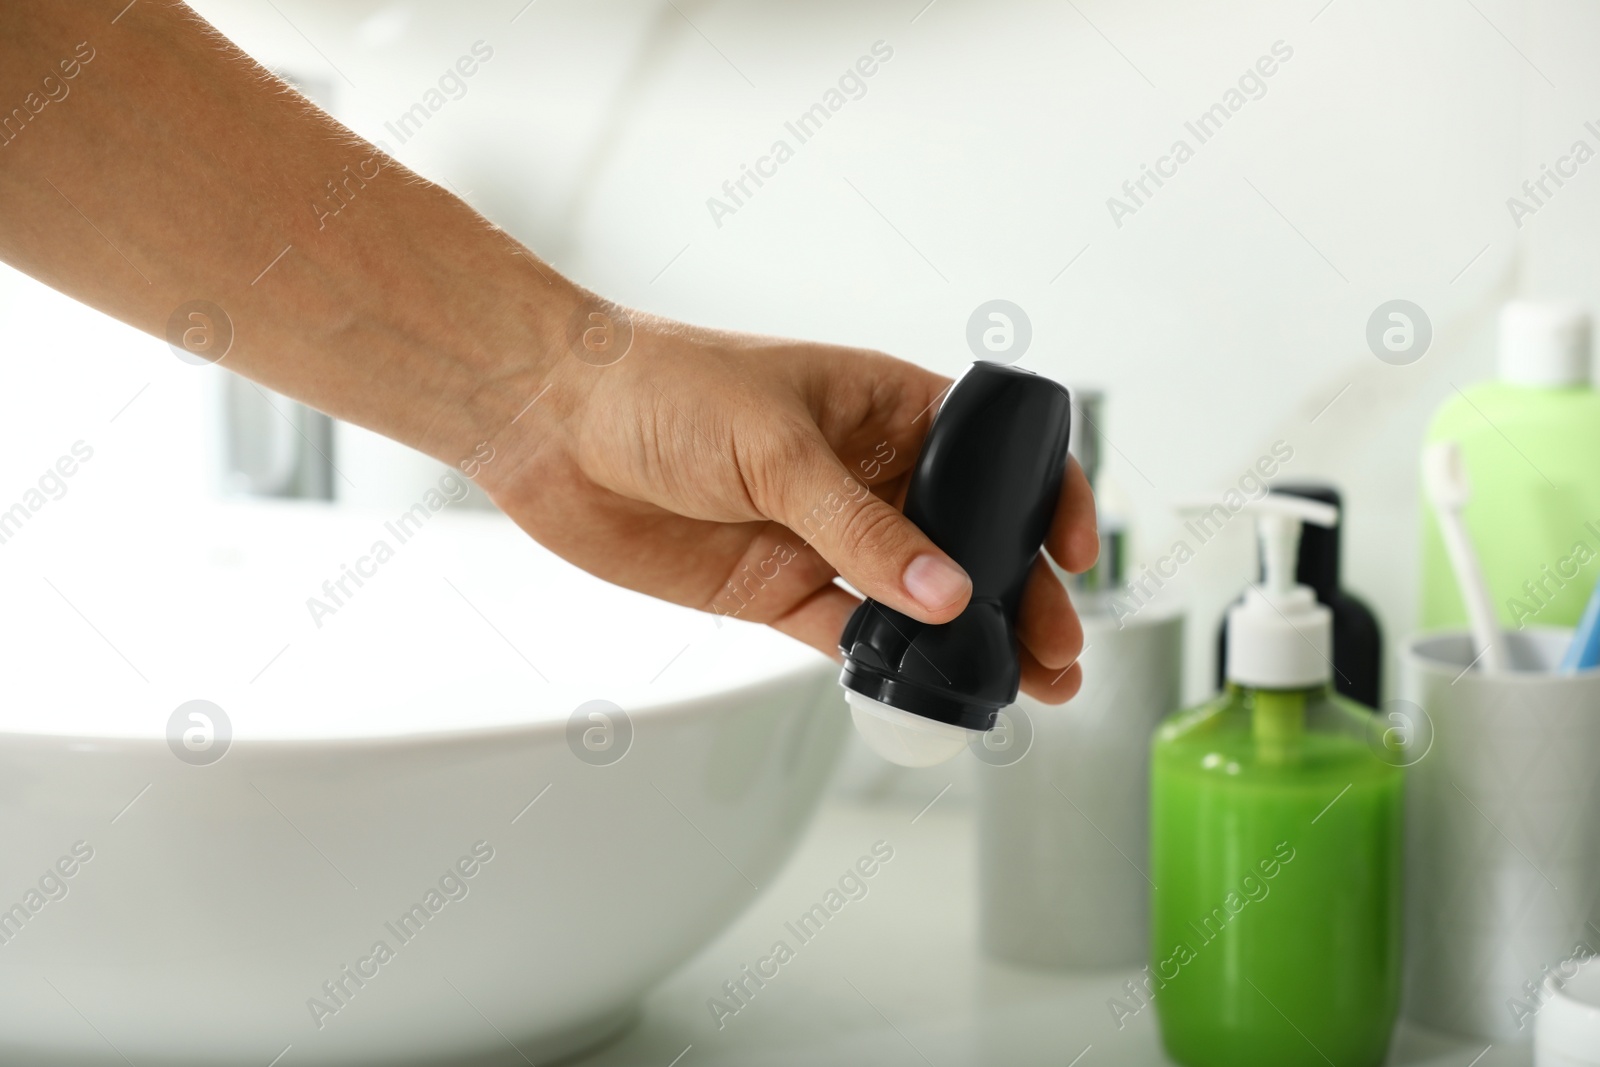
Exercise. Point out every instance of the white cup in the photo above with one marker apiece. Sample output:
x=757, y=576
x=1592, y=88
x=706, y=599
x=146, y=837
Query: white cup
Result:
x=1503, y=829
x=1063, y=828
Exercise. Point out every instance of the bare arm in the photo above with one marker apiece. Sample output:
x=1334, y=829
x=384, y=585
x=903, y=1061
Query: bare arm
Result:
x=146, y=163
x=169, y=168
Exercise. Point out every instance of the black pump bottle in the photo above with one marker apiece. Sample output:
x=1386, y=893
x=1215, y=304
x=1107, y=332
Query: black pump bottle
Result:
x=1357, y=641
x=984, y=490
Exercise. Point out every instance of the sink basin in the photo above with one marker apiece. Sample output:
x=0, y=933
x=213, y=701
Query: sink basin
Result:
x=468, y=814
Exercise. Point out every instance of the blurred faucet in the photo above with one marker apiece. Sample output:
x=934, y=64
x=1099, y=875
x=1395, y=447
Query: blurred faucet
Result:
x=1087, y=446
x=273, y=446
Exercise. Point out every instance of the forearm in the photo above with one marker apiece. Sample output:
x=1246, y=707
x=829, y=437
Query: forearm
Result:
x=170, y=168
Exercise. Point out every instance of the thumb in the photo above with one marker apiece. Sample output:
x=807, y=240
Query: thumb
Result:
x=867, y=540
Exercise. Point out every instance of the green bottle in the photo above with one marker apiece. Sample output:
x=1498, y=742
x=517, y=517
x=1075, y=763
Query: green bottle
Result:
x=1276, y=830
x=1531, y=444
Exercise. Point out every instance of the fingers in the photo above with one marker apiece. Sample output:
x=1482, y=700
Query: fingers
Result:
x=875, y=548
x=1047, y=624
x=1074, y=537
x=1051, y=636
x=1048, y=685
x=819, y=619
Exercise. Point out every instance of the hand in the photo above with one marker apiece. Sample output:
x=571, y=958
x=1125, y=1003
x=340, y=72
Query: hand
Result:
x=698, y=466
x=699, y=460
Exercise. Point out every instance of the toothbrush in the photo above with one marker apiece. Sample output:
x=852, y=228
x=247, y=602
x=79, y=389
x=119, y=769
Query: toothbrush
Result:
x=1444, y=475
x=1584, y=652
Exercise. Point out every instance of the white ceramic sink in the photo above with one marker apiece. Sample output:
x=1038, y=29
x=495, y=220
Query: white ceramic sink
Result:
x=371, y=761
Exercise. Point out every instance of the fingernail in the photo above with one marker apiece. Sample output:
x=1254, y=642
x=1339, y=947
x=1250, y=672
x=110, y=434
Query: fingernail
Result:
x=935, y=582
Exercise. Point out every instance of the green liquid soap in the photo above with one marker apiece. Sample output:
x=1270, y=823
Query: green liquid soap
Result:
x=1276, y=855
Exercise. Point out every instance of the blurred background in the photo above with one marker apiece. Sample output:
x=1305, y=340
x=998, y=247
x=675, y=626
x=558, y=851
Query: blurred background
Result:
x=1226, y=312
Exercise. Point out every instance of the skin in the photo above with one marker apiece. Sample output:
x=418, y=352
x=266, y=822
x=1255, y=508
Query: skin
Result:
x=151, y=164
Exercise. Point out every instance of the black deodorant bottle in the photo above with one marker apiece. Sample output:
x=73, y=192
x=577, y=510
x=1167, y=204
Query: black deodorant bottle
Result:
x=984, y=490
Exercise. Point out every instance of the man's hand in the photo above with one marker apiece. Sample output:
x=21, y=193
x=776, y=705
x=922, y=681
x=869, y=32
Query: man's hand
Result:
x=742, y=475
x=735, y=474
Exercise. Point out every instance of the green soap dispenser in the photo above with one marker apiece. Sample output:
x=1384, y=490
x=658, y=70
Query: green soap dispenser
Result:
x=1275, y=844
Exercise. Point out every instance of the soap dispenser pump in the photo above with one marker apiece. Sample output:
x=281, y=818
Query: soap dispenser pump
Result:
x=1357, y=638
x=984, y=489
x=1276, y=831
x=1281, y=637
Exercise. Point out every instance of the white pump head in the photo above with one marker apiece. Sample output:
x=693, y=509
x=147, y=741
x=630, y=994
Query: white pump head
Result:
x=1280, y=637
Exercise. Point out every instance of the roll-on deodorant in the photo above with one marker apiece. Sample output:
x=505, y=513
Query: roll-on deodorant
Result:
x=984, y=490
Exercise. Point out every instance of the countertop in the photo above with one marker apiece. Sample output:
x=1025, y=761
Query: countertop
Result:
x=896, y=977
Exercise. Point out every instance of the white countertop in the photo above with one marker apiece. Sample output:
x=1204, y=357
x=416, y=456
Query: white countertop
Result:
x=895, y=977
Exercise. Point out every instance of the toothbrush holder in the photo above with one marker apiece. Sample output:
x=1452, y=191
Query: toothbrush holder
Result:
x=1503, y=829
